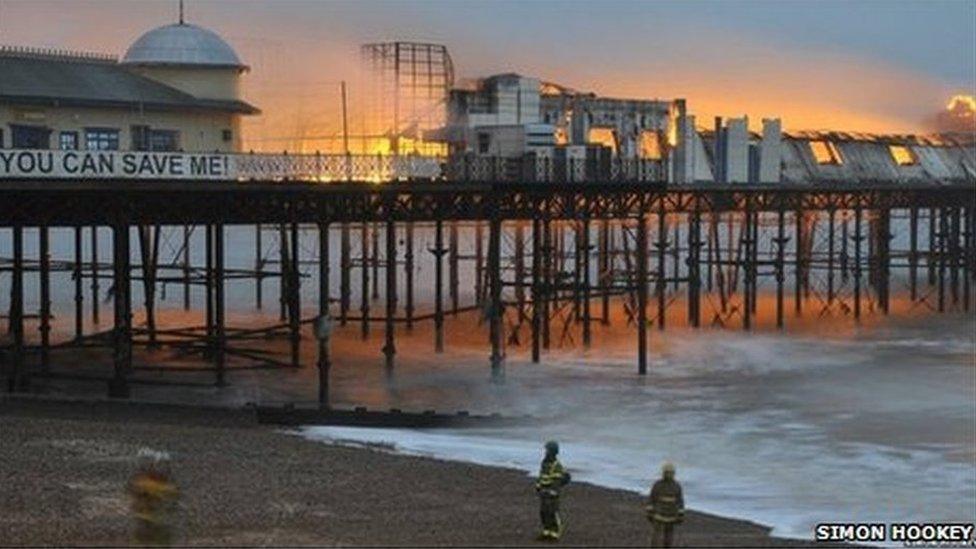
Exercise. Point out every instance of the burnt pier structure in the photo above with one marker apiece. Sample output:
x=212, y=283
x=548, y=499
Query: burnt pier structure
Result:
x=549, y=260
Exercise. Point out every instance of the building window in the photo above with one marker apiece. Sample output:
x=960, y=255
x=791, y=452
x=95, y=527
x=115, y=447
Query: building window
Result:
x=30, y=137
x=825, y=152
x=140, y=138
x=227, y=135
x=68, y=141
x=164, y=140
x=604, y=137
x=101, y=139
x=484, y=143
x=650, y=145
x=903, y=156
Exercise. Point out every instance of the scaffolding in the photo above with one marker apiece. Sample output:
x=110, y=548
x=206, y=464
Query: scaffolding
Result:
x=409, y=85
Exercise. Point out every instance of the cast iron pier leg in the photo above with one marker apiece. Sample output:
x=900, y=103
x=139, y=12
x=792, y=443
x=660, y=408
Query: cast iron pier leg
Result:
x=79, y=286
x=642, y=293
x=219, y=324
x=389, y=349
x=496, y=307
x=44, y=260
x=439, y=252
x=122, y=331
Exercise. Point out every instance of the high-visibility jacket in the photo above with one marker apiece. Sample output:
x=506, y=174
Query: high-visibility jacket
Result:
x=552, y=477
x=666, y=504
x=152, y=495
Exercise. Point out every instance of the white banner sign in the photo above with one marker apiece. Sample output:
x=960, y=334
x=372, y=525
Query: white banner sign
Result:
x=52, y=164
x=114, y=164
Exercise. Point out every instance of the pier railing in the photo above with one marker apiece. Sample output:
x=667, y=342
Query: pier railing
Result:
x=133, y=165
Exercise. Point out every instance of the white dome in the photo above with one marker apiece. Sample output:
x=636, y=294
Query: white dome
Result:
x=181, y=44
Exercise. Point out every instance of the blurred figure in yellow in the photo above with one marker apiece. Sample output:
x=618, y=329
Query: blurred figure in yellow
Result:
x=665, y=507
x=153, y=499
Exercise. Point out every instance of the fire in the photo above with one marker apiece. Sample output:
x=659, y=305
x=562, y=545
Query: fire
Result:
x=962, y=105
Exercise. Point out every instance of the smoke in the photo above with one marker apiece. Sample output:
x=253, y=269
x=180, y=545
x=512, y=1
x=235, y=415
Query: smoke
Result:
x=300, y=52
x=807, y=89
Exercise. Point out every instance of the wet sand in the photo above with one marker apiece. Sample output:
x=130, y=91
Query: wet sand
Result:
x=64, y=465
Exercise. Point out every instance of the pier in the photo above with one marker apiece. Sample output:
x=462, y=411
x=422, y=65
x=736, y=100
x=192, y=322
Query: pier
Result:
x=551, y=257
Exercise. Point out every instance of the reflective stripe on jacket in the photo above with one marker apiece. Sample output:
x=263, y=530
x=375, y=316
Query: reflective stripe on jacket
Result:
x=666, y=503
x=552, y=477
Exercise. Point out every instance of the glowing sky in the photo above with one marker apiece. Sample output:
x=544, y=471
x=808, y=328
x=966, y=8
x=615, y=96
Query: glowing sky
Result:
x=872, y=65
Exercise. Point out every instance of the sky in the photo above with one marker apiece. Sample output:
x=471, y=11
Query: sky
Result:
x=872, y=65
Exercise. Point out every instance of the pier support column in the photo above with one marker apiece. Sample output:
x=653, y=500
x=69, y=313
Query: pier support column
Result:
x=748, y=267
x=967, y=259
x=955, y=254
x=186, y=271
x=79, y=285
x=884, y=257
x=408, y=275
x=44, y=274
x=258, y=266
x=375, y=260
x=694, y=266
x=603, y=266
x=295, y=298
x=577, y=272
x=439, y=252
x=149, y=252
x=94, y=275
x=831, y=215
x=283, y=290
x=519, y=259
x=587, y=283
x=364, y=279
x=943, y=235
x=17, y=376
x=798, y=270
x=220, y=339
x=208, y=282
x=548, y=292
x=641, y=245
x=857, y=263
x=676, y=253
x=122, y=331
x=780, y=267
x=325, y=271
x=324, y=362
x=479, y=261
x=662, y=247
x=913, y=253
x=389, y=348
x=844, y=245
x=345, y=268
x=536, y=289
x=931, y=259
x=453, y=280
x=496, y=308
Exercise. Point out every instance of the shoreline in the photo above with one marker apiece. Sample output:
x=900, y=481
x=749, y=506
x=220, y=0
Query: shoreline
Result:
x=250, y=484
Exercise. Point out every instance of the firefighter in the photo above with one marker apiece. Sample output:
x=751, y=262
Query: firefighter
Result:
x=552, y=477
x=153, y=498
x=665, y=507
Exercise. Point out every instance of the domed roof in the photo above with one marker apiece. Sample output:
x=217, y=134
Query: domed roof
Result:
x=184, y=45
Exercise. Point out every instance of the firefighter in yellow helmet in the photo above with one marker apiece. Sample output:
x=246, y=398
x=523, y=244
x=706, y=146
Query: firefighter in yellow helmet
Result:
x=153, y=499
x=665, y=507
x=552, y=477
